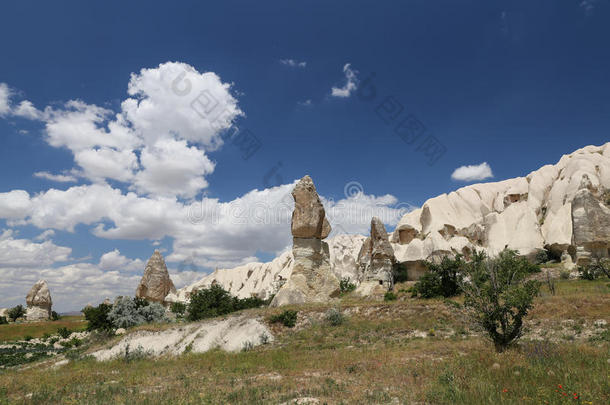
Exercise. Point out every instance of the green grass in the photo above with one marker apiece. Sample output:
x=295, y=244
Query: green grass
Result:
x=17, y=331
x=372, y=357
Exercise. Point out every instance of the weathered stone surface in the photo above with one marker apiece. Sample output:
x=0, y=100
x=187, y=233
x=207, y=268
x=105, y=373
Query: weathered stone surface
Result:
x=376, y=261
x=38, y=302
x=4, y=312
x=312, y=279
x=156, y=283
x=590, y=225
x=308, y=217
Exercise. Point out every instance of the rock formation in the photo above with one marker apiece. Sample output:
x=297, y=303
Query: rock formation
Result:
x=156, y=283
x=4, y=313
x=525, y=213
x=312, y=279
x=376, y=260
x=528, y=213
x=590, y=224
x=38, y=302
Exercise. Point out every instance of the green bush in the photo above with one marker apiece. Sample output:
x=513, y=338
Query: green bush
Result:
x=55, y=316
x=442, y=280
x=594, y=270
x=127, y=312
x=64, y=332
x=97, y=317
x=178, y=308
x=564, y=274
x=334, y=317
x=389, y=296
x=400, y=273
x=3, y=320
x=287, y=318
x=542, y=256
x=498, y=295
x=346, y=286
x=27, y=338
x=16, y=312
x=216, y=301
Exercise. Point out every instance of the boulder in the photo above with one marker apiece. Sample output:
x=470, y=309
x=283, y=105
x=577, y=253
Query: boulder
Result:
x=38, y=302
x=312, y=279
x=376, y=260
x=308, y=218
x=155, y=283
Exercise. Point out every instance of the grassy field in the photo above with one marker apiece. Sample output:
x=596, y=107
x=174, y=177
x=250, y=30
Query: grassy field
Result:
x=408, y=351
x=18, y=331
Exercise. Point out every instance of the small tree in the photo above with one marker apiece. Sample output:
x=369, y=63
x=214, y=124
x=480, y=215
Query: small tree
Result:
x=97, y=317
x=178, y=308
x=442, y=279
x=16, y=312
x=498, y=295
x=210, y=302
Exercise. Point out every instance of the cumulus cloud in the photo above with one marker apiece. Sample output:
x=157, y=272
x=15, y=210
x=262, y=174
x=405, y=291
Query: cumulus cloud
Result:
x=25, y=253
x=14, y=204
x=293, y=63
x=472, y=172
x=114, y=260
x=60, y=178
x=351, y=83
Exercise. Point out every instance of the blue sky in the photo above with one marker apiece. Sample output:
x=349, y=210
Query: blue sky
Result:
x=514, y=84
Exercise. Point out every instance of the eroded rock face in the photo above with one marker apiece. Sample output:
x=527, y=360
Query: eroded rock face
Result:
x=156, y=283
x=590, y=225
x=312, y=279
x=38, y=302
x=376, y=261
x=308, y=218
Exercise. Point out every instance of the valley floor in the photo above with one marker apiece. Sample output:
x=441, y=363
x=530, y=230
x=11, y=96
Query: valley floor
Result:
x=409, y=351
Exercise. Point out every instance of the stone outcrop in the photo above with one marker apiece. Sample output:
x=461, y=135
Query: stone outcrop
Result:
x=156, y=283
x=4, y=313
x=264, y=279
x=376, y=260
x=312, y=279
x=39, y=302
x=590, y=225
x=526, y=213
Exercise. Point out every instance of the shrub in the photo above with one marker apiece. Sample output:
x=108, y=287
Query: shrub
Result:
x=215, y=301
x=389, y=296
x=46, y=336
x=55, y=316
x=346, y=286
x=178, y=308
x=334, y=317
x=27, y=338
x=97, y=317
x=127, y=312
x=443, y=279
x=3, y=320
x=287, y=318
x=564, y=274
x=542, y=256
x=64, y=332
x=498, y=295
x=594, y=270
x=16, y=312
x=400, y=273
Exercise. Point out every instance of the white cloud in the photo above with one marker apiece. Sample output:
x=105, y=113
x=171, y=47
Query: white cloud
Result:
x=14, y=204
x=5, y=99
x=305, y=103
x=48, y=234
x=293, y=63
x=114, y=260
x=60, y=178
x=173, y=116
x=588, y=5
x=170, y=168
x=472, y=172
x=26, y=109
x=25, y=253
x=351, y=83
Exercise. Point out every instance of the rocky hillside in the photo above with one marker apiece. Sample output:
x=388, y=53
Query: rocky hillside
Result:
x=561, y=207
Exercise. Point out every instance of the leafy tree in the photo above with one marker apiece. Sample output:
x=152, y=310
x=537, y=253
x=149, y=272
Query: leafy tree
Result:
x=442, y=279
x=55, y=316
x=3, y=320
x=178, y=308
x=127, y=312
x=215, y=301
x=498, y=295
x=16, y=312
x=97, y=317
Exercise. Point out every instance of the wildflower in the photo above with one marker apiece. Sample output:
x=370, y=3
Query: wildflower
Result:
x=505, y=390
x=560, y=387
